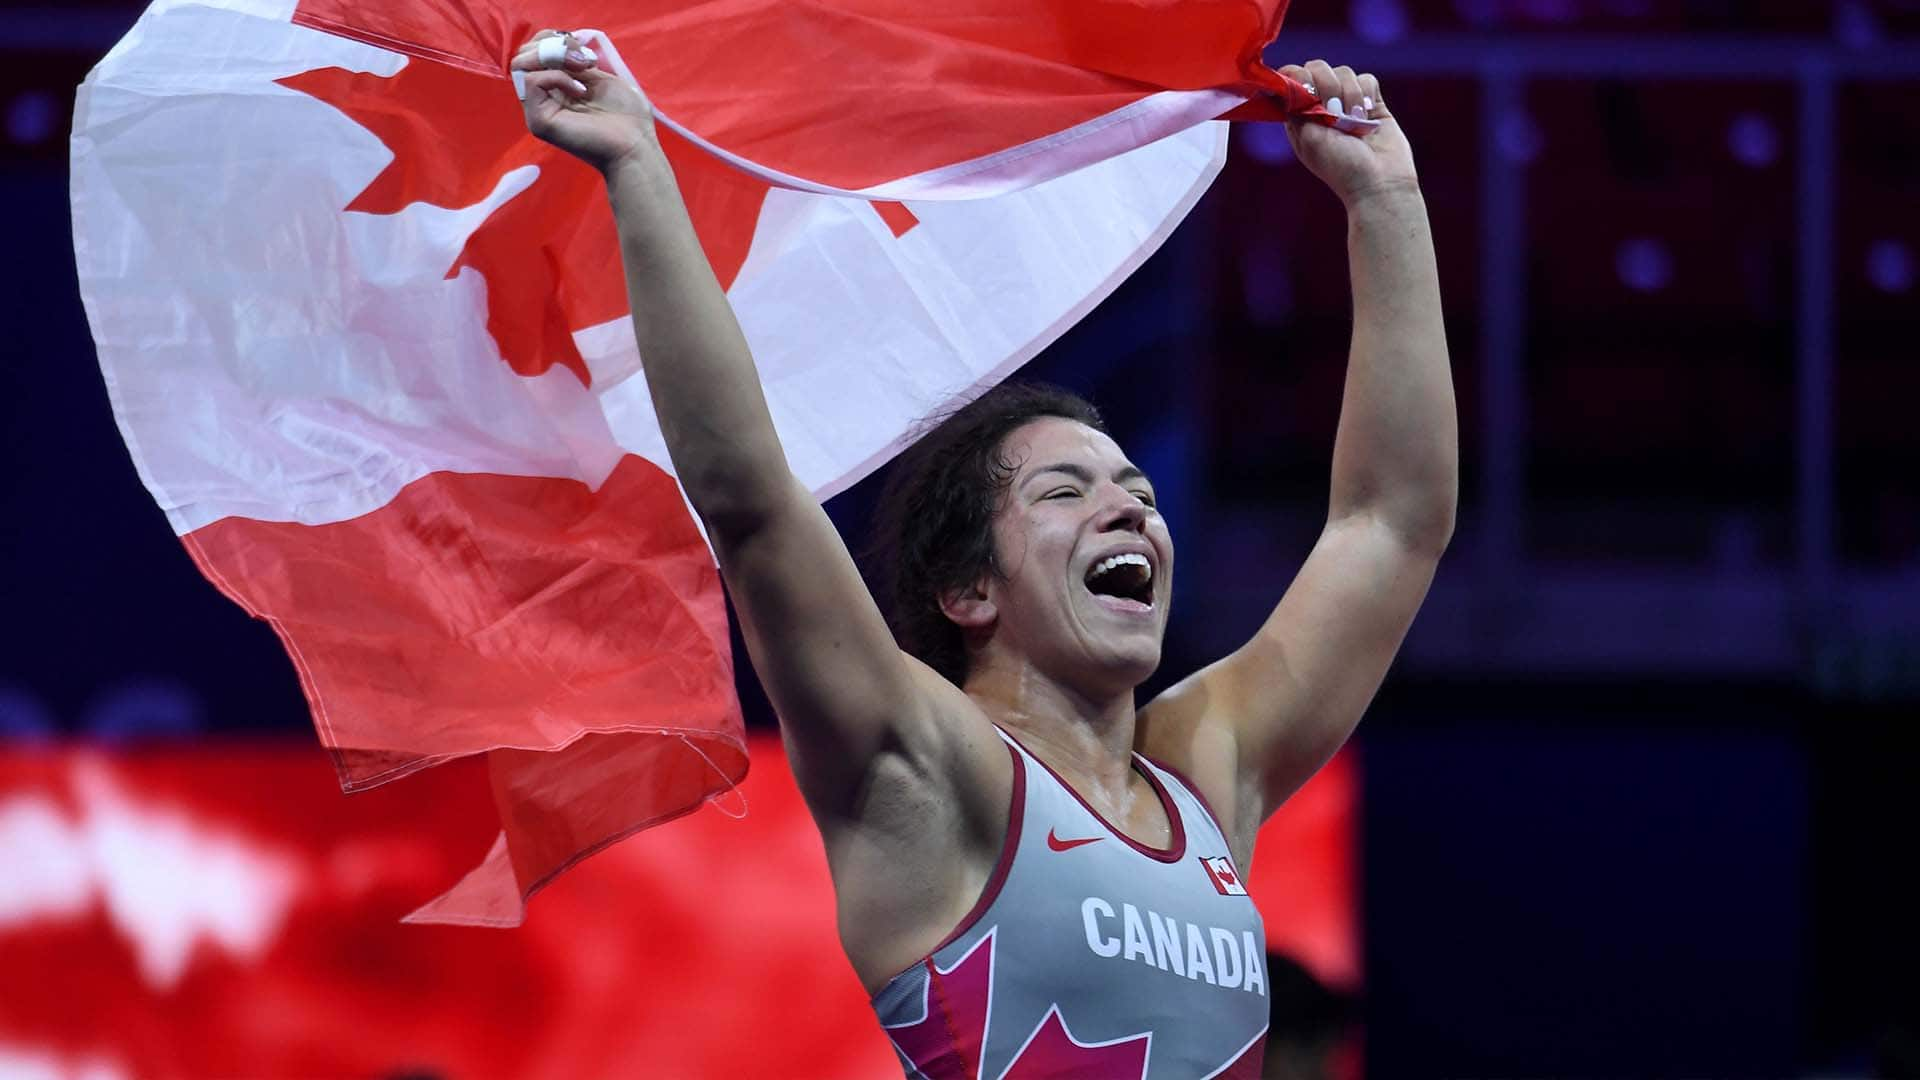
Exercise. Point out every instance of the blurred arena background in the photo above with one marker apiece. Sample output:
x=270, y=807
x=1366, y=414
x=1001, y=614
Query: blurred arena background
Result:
x=1640, y=798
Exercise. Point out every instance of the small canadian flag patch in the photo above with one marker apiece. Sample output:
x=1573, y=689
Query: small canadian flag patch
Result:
x=1220, y=872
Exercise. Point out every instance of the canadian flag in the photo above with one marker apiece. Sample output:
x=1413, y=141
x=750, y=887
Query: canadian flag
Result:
x=367, y=343
x=1226, y=880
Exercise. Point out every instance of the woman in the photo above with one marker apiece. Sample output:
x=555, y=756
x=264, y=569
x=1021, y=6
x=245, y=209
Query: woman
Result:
x=1034, y=875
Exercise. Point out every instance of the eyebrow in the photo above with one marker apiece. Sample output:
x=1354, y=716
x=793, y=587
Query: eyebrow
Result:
x=1085, y=475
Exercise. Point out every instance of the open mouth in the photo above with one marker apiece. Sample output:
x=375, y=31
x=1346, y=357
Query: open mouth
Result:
x=1126, y=577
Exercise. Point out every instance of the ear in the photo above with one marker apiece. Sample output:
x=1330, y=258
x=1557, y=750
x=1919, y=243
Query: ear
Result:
x=969, y=608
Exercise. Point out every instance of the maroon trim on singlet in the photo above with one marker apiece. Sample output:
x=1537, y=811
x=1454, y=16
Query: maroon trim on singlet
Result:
x=1016, y=811
x=1193, y=790
x=1172, y=853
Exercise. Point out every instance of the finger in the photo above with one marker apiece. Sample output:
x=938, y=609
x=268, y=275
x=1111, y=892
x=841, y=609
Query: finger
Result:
x=1349, y=92
x=1326, y=85
x=557, y=85
x=552, y=50
x=1297, y=104
x=527, y=56
x=1372, y=99
x=534, y=41
x=1298, y=74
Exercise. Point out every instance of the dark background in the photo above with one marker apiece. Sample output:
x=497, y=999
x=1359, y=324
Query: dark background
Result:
x=1640, y=798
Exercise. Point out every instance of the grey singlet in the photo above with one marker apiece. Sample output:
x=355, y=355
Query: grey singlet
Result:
x=1090, y=955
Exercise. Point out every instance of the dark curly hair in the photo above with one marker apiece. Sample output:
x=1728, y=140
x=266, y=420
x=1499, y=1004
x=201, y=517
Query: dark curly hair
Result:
x=934, y=522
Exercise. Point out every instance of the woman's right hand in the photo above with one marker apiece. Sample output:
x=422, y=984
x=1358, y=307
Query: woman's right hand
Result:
x=592, y=114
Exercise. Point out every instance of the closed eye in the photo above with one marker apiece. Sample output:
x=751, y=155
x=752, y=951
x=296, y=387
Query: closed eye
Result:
x=1062, y=493
x=1146, y=497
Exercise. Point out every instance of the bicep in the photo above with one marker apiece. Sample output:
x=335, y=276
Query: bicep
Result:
x=1293, y=694
x=844, y=691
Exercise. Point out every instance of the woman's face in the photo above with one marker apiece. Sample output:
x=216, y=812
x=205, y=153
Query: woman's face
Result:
x=1086, y=560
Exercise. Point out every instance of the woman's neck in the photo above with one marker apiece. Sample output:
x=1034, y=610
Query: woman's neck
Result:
x=1082, y=736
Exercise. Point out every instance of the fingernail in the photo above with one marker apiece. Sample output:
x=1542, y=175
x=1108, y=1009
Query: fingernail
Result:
x=1367, y=101
x=579, y=86
x=578, y=56
x=588, y=52
x=1358, y=112
x=1333, y=106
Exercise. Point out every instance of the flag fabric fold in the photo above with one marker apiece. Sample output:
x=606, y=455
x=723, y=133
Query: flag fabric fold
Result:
x=366, y=339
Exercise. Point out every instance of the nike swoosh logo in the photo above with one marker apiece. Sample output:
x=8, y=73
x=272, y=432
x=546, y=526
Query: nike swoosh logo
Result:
x=1058, y=844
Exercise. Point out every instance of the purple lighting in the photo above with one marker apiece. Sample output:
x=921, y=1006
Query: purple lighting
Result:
x=1550, y=11
x=1267, y=143
x=1267, y=285
x=1481, y=13
x=32, y=117
x=1378, y=21
x=1518, y=137
x=1855, y=24
x=1753, y=141
x=1644, y=264
x=24, y=716
x=1890, y=266
x=146, y=708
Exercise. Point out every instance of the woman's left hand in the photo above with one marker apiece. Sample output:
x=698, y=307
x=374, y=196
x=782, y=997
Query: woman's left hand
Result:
x=1352, y=165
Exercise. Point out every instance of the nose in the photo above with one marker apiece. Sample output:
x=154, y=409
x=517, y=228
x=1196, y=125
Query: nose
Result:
x=1122, y=511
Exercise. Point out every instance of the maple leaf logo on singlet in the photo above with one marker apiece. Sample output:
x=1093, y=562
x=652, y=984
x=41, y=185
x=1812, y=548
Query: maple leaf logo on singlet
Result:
x=947, y=1042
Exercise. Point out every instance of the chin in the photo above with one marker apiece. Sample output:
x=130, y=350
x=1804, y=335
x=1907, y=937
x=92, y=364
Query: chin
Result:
x=1132, y=665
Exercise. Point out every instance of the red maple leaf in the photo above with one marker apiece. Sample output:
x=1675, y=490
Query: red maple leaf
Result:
x=946, y=1043
x=549, y=254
